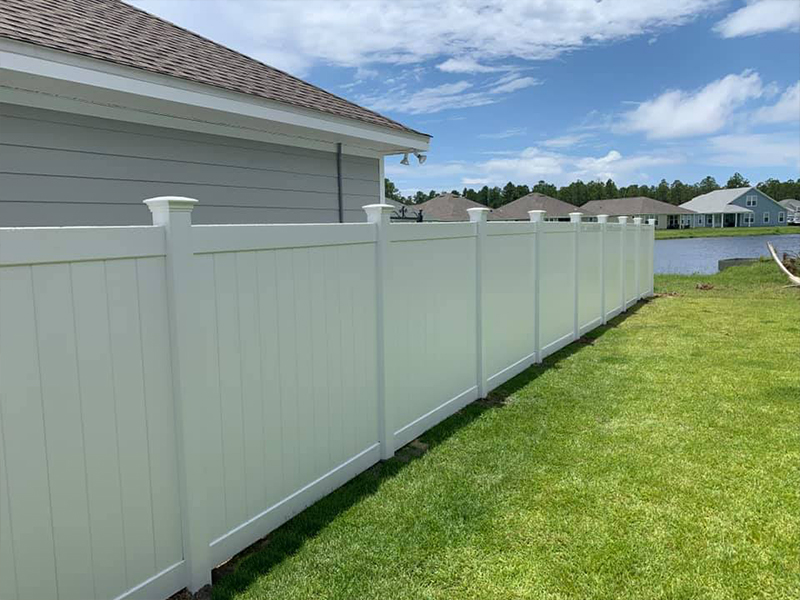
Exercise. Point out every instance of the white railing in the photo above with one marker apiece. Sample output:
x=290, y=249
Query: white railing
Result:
x=170, y=394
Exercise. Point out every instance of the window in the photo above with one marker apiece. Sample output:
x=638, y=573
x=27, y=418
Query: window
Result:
x=700, y=220
x=781, y=217
x=752, y=200
x=748, y=219
x=766, y=217
x=709, y=220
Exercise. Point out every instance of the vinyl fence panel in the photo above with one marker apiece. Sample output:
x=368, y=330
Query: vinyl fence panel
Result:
x=171, y=394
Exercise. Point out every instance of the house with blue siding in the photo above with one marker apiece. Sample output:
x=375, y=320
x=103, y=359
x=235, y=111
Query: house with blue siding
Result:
x=738, y=207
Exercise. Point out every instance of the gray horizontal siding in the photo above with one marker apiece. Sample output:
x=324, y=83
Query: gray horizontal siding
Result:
x=63, y=169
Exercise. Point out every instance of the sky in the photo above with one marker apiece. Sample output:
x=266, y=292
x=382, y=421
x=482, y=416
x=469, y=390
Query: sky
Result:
x=556, y=90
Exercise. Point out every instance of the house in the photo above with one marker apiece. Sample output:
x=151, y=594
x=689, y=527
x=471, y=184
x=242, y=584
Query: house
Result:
x=556, y=210
x=103, y=105
x=667, y=216
x=403, y=212
x=446, y=207
x=792, y=208
x=737, y=207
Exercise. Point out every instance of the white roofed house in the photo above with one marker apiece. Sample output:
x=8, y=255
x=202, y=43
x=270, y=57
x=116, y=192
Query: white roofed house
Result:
x=737, y=207
x=792, y=207
x=103, y=105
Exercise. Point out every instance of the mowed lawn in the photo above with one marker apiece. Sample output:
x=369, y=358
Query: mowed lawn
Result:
x=695, y=232
x=660, y=459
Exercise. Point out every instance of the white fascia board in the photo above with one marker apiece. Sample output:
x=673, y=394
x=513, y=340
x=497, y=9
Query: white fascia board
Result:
x=133, y=85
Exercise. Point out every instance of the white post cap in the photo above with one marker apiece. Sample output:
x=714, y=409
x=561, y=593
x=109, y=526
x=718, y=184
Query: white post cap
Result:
x=478, y=215
x=622, y=220
x=536, y=216
x=637, y=220
x=377, y=213
x=651, y=221
x=602, y=218
x=575, y=217
x=170, y=204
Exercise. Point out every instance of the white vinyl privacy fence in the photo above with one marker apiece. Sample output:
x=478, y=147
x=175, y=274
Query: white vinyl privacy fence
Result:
x=170, y=394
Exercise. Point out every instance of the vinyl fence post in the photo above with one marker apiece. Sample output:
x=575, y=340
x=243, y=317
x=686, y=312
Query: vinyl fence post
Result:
x=575, y=219
x=637, y=221
x=603, y=220
x=537, y=220
x=174, y=214
x=479, y=216
x=651, y=240
x=379, y=215
x=623, y=221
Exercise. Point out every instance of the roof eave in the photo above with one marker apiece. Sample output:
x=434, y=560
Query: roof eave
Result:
x=37, y=70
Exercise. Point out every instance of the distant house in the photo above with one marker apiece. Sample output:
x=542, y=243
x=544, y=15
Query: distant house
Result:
x=667, y=216
x=555, y=209
x=103, y=105
x=403, y=212
x=792, y=207
x=738, y=207
x=446, y=207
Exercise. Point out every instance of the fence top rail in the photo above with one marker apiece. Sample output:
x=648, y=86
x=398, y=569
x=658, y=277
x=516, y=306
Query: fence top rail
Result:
x=410, y=232
x=207, y=239
x=558, y=227
x=38, y=245
x=510, y=228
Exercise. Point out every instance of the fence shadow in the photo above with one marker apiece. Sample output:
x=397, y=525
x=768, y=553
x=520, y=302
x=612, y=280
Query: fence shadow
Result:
x=237, y=574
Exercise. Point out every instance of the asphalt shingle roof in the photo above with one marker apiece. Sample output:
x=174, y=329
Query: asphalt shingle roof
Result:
x=637, y=205
x=116, y=32
x=446, y=207
x=518, y=209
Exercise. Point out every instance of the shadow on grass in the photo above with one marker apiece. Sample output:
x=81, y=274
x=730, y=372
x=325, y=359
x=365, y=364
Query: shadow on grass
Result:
x=242, y=570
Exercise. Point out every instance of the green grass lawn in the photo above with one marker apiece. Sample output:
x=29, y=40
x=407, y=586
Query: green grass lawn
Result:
x=658, y=459
x=674, y=234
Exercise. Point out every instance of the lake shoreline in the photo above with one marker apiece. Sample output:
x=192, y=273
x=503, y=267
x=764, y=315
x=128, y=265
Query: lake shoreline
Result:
x=703, y=232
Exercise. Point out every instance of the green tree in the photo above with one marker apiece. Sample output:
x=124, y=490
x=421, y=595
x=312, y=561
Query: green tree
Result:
x=509, y=193
x=662, y=191
x=737, y=180
x=611, y=189
x=708, y=184
x=548, y=189
x=391, y=191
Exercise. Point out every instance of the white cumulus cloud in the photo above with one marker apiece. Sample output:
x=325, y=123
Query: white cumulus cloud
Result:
x=298, y=35
x=677, y=113
x=760, y=16
x=786, y=109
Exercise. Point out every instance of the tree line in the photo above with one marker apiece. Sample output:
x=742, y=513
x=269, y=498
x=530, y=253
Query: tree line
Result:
x=579, y=192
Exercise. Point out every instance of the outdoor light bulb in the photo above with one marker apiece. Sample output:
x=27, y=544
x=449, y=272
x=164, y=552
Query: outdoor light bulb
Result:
x=421, y=158
x=405, y=159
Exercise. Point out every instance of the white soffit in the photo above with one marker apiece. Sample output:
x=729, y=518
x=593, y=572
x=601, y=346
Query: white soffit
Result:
x=45, y=78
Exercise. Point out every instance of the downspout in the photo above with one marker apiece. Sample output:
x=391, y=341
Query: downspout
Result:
x=339, y=181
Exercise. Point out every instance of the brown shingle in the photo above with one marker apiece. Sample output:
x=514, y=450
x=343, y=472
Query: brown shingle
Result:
x=446, y=207
x=637, y=205
x=113, y=31
x=518, y=209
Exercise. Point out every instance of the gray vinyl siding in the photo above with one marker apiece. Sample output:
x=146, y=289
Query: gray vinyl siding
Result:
x=64, y=169
x=764, y=204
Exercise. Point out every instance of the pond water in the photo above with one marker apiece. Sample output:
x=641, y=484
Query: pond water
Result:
x=701, y=255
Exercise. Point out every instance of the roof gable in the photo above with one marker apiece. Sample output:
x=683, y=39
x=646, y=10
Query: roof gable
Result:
x=446, y=207
x=517, y=210
x=636, y=205
x=113, y=31
x=719, y=200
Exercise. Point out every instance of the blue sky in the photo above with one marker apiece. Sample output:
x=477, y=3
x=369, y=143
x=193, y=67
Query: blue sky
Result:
x=545, y=89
